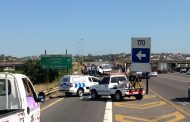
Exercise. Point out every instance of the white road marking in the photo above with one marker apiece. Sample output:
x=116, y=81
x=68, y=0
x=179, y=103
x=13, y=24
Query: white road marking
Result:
x=51, y=104
x=108, y=112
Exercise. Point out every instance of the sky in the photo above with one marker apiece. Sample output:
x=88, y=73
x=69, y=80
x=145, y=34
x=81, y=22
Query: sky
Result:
x=29, y=27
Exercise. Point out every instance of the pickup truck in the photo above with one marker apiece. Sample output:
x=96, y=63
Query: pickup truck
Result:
x=19, y=101
x=117, y=87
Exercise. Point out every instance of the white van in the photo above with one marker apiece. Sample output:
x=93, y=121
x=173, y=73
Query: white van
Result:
x=77, y=84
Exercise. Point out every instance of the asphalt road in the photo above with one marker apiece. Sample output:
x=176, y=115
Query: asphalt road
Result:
x=167, y=101
x=172, y=87
x=73, y=109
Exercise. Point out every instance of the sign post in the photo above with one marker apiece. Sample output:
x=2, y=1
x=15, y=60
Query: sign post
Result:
x=140, y=53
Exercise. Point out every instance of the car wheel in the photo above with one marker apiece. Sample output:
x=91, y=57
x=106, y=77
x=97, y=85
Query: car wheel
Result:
x=80, y=92
x=118, y=96
x=113, y=97
x=94, y=95
x=139, y=97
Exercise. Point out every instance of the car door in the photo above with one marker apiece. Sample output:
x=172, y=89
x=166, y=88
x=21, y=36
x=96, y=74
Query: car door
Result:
x=103, y=86
x=32, y=108
x=113, y=82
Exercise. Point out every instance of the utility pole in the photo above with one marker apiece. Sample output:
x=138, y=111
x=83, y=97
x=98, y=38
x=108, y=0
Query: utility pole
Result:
x=81, y=50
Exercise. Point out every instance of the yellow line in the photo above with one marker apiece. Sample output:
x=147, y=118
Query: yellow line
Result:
x=175, y=106
x=178, y=116
x=149, y=97
x=142, y=106
x=122, y=118
x=51, y=104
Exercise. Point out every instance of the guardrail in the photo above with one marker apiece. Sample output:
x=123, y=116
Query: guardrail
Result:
x=50, y=91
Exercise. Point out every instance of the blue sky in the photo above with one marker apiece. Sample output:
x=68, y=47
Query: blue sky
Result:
x=28, y=27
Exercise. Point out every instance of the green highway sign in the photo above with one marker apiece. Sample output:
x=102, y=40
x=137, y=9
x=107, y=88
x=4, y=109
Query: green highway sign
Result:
x=56, y=61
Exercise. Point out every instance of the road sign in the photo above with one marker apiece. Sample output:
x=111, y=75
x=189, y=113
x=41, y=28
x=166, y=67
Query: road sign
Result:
x=56, y=61
x=140, y=49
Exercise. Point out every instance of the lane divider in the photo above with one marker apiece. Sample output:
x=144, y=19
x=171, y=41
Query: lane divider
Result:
x=108, y=112
x=51, y=104
x=175, y=106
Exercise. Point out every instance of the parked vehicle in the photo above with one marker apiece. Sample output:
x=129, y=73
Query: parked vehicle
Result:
x=104, y=69
x=153, y=74
x=184, y=70
x=142, y=75
x=18, y=99
x=117, y=87
x=77, y=84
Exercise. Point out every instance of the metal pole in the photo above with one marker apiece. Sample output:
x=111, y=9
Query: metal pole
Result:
x=147, y=83
x=47, y=78
x=6, y=87
x=82, y=50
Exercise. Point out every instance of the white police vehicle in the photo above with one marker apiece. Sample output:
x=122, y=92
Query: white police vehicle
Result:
x=77, y=84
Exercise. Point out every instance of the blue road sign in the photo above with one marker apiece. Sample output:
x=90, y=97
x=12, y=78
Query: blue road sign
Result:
x=140, y=55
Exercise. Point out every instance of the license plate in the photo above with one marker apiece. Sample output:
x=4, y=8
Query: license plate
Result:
x=135, y=92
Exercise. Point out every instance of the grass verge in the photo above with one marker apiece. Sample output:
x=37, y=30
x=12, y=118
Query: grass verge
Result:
x=46, y=86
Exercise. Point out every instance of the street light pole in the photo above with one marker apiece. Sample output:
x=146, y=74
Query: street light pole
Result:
x=81, y=49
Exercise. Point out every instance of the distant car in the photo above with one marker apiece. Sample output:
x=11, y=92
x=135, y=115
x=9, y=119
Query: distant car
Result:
x=106, y=68
x=142, y=75
x=183, y=70
x=153, y=74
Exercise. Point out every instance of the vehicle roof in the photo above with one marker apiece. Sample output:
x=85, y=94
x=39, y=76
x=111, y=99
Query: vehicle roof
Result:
x=10, y=75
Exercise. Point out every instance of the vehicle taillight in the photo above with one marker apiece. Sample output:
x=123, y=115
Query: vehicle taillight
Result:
x=71, y=84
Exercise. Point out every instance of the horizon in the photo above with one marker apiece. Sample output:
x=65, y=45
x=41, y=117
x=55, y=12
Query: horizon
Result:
x=92, y=54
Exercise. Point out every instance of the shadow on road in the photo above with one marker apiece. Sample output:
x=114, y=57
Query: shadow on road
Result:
x=53, y=97
x=107, y=99
x=183, y=99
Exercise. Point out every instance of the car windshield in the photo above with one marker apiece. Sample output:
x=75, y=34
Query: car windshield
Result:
x=65, y=79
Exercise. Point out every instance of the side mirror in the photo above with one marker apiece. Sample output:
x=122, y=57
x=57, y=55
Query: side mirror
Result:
x=41, y=96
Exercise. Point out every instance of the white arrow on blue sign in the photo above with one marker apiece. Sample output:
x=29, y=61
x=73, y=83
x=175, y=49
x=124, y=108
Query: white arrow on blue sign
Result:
x=140, y=49
x=141, y=55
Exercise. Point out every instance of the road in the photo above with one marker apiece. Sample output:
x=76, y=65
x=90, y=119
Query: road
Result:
x=166, y=101
x=173, y=87
x=73, y=109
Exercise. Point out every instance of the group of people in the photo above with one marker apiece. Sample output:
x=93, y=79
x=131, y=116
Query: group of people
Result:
x=91, y=70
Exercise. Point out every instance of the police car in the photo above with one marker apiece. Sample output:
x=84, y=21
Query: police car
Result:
x=77, y=84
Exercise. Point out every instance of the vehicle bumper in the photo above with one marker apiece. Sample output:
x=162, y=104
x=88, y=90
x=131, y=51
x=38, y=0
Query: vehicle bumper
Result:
x=132, y=92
